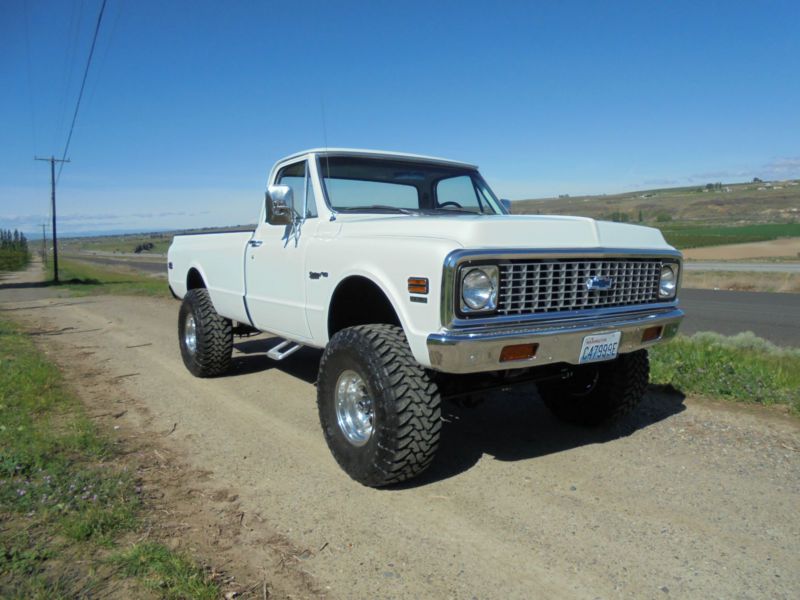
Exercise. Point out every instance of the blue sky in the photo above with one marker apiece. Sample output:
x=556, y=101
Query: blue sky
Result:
x=188, y=104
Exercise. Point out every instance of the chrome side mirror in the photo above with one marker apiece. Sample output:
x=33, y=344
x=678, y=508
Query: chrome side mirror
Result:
x=507, y=205
x=280, y=205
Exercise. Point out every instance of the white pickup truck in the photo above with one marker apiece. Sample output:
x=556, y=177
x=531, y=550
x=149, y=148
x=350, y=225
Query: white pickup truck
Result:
x=418, y=284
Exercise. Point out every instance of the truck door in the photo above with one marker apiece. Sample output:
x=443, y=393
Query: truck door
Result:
x=275, y=258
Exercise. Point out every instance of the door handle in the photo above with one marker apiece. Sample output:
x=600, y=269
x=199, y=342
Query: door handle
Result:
x=255, y=243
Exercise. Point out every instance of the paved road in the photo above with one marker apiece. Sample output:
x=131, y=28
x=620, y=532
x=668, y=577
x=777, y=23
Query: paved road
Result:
x=775, y=317
x=743, y=267
x=148, y=265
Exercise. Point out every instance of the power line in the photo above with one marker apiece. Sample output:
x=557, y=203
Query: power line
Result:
x=83, y=85
x=30, y=74
x=101, y=65
x=68, y=67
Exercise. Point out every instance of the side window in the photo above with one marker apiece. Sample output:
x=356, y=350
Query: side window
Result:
x=295, y=177
x=458, y=192
x=311, y=200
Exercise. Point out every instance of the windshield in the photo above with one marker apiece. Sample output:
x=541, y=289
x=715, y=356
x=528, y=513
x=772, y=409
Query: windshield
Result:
x=354, y=184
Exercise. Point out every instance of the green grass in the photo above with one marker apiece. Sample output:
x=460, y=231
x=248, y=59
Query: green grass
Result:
x=743, y=367
x=62, y=494
x=682, y=235
x=84, y=279
x=172, y=575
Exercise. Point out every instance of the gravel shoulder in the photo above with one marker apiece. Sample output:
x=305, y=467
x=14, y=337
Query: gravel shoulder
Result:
x=687, y=497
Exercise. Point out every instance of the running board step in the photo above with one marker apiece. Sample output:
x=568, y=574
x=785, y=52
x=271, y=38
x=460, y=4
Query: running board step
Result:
x=278, y=352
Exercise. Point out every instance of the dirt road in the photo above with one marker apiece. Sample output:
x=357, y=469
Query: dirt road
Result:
x=685, y=499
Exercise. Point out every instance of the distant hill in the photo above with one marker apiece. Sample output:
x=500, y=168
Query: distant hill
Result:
x=689, y=217
x=763, y=202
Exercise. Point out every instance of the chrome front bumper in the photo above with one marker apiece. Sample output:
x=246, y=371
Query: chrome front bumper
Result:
x=478, y=349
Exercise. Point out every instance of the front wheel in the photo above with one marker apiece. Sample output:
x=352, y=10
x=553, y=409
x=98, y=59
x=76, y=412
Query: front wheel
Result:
x=599, y=393
x=379, y=410
x=205, y=337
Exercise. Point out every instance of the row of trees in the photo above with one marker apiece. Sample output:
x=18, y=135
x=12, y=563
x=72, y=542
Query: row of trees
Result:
x=14, y=254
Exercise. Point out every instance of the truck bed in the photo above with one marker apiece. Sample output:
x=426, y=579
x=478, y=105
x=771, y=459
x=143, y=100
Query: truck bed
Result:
x=222, y=257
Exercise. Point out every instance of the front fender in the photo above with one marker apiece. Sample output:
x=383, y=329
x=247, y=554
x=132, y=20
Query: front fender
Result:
x=388, y=264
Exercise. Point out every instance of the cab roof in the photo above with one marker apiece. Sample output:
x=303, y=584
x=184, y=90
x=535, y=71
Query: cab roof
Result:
x=322, y=152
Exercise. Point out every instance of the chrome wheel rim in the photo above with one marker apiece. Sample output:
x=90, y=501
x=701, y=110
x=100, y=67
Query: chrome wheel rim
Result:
x=190, y=334
x=354, y=408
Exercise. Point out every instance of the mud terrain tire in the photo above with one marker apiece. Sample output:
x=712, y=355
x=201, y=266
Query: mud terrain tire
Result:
x=600, y=393
x=379, y=410
x=205, y=337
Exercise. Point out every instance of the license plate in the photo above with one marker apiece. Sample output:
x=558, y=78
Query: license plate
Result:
x=603, y=346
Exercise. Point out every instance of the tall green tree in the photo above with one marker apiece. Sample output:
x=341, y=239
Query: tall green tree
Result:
x=14, y=254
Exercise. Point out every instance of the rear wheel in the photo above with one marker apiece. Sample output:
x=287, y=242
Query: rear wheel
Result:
x=205, y=337
x=599, y=393
x=380, y=411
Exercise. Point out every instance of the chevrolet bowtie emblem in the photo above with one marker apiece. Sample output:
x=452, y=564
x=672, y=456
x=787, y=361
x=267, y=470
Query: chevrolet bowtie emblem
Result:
x=599, y=283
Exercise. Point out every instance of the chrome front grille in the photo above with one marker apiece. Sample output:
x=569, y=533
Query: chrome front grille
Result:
x=529, y=287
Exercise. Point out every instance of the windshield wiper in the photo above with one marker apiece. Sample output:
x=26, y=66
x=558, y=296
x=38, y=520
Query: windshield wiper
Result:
x=379, y=207
x=456, y=211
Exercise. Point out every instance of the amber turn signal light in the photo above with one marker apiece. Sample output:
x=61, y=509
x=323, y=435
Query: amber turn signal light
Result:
x=652, y=333
x=518, y=352
x=418, y=285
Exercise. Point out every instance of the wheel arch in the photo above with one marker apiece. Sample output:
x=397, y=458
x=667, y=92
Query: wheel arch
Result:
x=195, y=279
x=360, y=300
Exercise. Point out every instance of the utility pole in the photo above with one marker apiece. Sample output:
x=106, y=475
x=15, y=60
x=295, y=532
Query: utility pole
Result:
x=44, y=246
x=52, y=160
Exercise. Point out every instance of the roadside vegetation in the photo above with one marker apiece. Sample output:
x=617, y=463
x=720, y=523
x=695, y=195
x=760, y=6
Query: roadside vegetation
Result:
x=84, y=279
x=743, y=367
x=67, y=503
x=14, y=254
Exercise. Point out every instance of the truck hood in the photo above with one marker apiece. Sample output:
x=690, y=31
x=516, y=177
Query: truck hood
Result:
x=505, y=231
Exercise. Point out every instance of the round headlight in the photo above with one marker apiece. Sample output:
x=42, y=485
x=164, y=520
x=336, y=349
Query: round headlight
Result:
x=478, y=290
x=666, y=286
